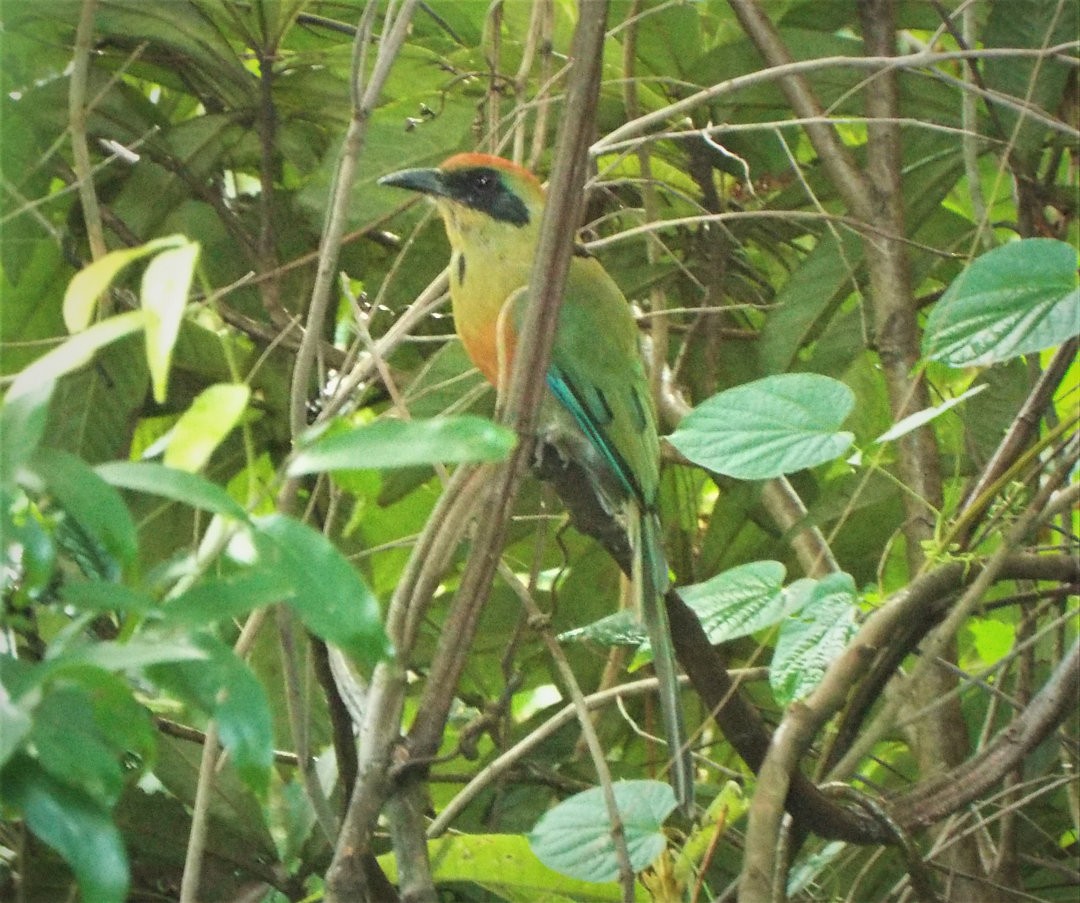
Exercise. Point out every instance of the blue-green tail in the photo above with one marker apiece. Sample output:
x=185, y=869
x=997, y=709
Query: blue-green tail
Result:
x=651, y=566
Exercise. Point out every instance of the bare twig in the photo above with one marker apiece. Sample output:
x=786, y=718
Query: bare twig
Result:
x=80, y=148
x=1019, y=435
x=204, y=788
x=365, y=97
x=379, y=711
x=298, y=723
x=588, y=730
x=774, y=72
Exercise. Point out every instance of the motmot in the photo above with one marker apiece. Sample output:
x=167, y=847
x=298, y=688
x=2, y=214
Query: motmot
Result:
x=598, y=412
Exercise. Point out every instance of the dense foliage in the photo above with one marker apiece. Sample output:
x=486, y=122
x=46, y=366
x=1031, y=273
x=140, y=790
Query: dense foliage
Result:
x=249, y=477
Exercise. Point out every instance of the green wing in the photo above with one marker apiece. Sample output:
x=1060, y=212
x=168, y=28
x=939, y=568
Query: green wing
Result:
x=596, y=373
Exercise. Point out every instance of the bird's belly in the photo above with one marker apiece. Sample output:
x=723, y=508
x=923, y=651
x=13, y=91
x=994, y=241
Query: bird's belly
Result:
x=482, y=345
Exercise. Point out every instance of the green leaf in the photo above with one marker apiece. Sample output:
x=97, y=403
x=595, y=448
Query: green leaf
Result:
x=90, y=282
x=102, y=595
x=94, y=504
x=808, y=299
x=225, y=689
x=406, y=443
x=168, y=482
x=993, y=639
x=1040, y=83
x=22, y=424
x=810, y=640
x=768, y=427
x=165, y=286
x=619, y=629
x=1016, y=299
x=141, y=652
x=919, y=418
x=229, y=597
x=507, y=869
x=72, y=354
x=73, y=824
x=574, y=838
x=744, y=599
x=203, y=426
x=328, y=594
x=70, y=745
x=15, y=726
x=94, y=410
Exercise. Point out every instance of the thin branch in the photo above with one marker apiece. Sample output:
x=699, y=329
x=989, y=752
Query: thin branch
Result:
x=932, y=801
x=680, y=108
x=204, y=787
x=298, y=723
x=378, y=713
x=80, y=148
x=341, y=196
x=1020, y=433
x=588, y=730
x=506, y=760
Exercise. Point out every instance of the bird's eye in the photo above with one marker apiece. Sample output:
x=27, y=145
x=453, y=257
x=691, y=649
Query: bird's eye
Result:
x=483, y=180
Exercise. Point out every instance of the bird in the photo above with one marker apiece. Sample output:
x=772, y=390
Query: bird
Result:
x=598, y=411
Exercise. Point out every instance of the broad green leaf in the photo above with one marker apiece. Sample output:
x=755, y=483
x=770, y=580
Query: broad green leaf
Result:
x=94, y=410
x=234, y=811
x=165, y=286
x=406, y=443
x=993, y=639
x=73, y=824
x=90, y=282
x=919, y=418
x=772, y=426
x=810, y=639
x=744, y=600
x=574, y=838
x=619, y=629
x=124, y=723
x=72, y=354
x=505, y=867
x=808, y=298
x=171, y=483
x=203, y=426
x=328, y=594
x=226, y=690
x=94, y=504
x=101, y=595
x=71, y=746
x=141, y=652
x=22, y=424
x=229, y=597
x=15, y=725
x=1016, y=299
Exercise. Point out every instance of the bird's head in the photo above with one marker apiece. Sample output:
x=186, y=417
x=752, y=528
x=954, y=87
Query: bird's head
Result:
x=478, y=195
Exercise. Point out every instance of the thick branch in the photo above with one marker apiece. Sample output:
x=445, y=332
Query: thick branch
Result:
x=934, y=800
